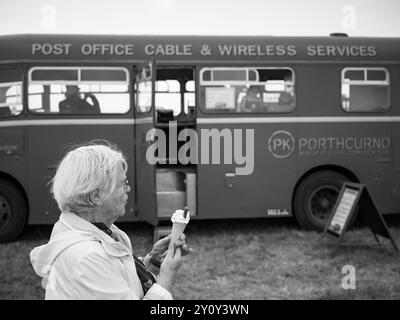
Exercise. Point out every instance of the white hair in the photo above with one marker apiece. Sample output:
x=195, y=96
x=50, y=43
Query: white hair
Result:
x=82, y=171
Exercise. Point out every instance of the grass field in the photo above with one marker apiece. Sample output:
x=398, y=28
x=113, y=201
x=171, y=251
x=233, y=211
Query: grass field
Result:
x=244, y=259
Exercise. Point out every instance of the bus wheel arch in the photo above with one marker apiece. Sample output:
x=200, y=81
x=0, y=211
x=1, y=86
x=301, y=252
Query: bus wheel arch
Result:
x=315, y=194
x=13, y=208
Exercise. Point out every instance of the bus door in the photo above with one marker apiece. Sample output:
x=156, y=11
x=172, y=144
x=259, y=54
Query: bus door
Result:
x=145, y=189
x=239, y=175
x=225, y=189
x=396, y=144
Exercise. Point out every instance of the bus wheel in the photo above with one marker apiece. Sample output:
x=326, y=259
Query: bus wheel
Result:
x=13, y=211
x=315, y=198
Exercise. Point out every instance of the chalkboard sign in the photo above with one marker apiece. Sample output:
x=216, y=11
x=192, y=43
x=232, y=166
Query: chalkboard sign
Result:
x=344, y=209
x=354, y=199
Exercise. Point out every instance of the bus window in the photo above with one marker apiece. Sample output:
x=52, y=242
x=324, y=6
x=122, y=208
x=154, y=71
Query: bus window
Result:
x=168, y=96
x=365, y=90
x=175, y=91
x=189, y=97
x=143, y=96
x=10, y=92
x=254, y=90
x=143, y=89
x=78, y=90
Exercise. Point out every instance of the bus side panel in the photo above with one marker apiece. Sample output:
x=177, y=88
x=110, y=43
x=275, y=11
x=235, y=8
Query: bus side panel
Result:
x=361, y=147
x=395, y=85
x=47, y=145
x=396, y=169
x=223, y=192
x=13, y=160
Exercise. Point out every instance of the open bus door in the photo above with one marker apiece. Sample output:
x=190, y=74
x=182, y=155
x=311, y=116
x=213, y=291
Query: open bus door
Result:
x=145, y=188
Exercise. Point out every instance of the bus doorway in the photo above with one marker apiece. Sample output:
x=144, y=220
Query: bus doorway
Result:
x=175, y=112
x=165, y=183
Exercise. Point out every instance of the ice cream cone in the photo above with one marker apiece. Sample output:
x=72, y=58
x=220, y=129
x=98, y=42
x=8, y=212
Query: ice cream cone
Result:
x=177, y=230
x=178, y=227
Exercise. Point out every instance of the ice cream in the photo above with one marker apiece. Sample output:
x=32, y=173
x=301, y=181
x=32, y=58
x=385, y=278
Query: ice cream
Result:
x=181, y=216
x=179, y=219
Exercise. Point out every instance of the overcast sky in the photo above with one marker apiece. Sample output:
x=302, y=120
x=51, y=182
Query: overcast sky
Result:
x=202, y=17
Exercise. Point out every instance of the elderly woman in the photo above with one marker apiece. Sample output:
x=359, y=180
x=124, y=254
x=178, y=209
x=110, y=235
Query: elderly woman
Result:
x=87, y=256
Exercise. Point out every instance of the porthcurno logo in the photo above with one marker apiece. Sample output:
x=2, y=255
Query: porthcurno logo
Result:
x=281, y=144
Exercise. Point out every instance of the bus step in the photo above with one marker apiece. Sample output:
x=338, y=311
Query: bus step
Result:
x=161, y=232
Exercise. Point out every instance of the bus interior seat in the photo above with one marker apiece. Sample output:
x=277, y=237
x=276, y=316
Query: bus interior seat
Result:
x=165, y=115
x=5, y=111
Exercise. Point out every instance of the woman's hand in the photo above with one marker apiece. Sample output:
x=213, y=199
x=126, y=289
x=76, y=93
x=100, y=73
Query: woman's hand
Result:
x=169, y=267
x=160, y=249
x=161, y=246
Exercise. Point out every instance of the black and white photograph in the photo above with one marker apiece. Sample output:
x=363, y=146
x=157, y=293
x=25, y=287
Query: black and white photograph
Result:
x=212, y=152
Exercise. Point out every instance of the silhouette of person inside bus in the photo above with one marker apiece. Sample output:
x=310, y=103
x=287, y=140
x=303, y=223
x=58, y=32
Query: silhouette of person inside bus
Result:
x=252, y=101
x=74, y=104
x=4, y=109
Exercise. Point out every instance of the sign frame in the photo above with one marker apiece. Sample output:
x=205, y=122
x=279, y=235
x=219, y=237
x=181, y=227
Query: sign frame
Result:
x=361, y=205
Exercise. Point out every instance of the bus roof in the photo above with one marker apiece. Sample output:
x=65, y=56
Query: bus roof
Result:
x=100, y=48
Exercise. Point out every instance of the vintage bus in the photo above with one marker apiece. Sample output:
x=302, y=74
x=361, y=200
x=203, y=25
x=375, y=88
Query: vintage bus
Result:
x=232, y=127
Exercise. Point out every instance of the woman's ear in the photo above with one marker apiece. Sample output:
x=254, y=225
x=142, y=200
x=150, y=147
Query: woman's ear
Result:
x=95, y=197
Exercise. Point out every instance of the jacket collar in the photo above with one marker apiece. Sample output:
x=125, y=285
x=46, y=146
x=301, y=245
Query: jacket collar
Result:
x=112, y=247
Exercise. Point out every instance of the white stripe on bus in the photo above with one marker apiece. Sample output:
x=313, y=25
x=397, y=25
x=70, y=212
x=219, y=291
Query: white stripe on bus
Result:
x=144, y=120
x=64, y=122
x=295, y=120
x=55, y=122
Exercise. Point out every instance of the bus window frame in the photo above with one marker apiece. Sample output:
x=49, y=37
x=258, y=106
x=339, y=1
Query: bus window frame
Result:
x=222, y=82
x=143, y=77
x=60, y=82
x=366, y=82
x=249, y=83
x=23, y=93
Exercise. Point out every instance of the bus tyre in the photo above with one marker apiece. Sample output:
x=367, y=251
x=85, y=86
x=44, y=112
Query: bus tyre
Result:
x=13, y=211
x=315, y=198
